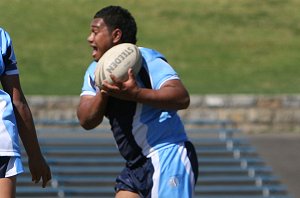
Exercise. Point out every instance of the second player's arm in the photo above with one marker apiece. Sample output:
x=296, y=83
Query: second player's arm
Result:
x=37, y=164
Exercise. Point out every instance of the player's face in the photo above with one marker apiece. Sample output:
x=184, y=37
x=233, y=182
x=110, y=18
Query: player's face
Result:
x=100, y=38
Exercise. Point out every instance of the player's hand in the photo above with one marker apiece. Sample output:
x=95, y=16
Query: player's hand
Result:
x=126, y=90
x=39, y=169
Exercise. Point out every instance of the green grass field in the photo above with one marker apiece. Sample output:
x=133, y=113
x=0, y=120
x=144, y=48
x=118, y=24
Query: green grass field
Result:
x=217, y=46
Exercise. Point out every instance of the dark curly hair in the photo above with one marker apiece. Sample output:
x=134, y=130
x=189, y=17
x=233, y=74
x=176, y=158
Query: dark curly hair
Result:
x=118, y=17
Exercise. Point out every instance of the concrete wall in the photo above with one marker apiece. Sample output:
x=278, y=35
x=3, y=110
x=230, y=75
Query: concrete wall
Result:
x=252, y=113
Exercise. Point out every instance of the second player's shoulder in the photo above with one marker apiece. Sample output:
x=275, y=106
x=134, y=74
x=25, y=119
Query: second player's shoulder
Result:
x=5, y=37
x=2, y=31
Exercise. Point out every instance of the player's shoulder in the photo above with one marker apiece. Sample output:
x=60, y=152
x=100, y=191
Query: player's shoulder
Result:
x=92, y=66
x=151, y=54
x=2, y=30
x=3, y=33
x=5, y=38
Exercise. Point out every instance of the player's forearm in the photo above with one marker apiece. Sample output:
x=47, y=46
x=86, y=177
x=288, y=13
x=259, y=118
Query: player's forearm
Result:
x=27, y=131
x=167, y=98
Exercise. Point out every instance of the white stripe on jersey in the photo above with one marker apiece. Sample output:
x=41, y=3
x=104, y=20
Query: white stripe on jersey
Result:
x=156, y=174
x=186, y=162
x=6, y=143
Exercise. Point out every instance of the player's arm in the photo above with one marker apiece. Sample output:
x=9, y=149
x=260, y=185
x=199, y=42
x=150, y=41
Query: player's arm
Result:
x=171, y=95
x=91, y=109
x=27, y=132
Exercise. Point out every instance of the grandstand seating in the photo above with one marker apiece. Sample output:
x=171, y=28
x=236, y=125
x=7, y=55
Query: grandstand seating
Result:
x=85, y=163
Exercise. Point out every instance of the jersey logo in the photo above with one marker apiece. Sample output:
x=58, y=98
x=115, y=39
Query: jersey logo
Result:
x=92, y=83
x=173, y=182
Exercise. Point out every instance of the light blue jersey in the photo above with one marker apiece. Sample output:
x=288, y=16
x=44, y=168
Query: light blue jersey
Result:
x=151, y=128
x=160, y=161
x=9, y=143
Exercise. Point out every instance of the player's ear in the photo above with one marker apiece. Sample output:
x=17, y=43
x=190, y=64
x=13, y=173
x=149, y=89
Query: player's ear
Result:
x=117, y=35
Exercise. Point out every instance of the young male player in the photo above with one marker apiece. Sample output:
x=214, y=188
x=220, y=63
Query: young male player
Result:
x=16, y=118
x=160, y=161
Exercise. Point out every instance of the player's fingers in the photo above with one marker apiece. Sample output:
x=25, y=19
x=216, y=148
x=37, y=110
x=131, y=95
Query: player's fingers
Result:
x=103, y=91
x=105, y=86
x=116, y=81
x=108, y=88
x=46, y=178
x=33, y=176
x=36, y=179
x=130, y=74
x=114, y=78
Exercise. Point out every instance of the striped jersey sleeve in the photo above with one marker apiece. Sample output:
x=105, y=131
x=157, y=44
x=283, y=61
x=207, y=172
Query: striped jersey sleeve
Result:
x=8, y=62
x=89, y=87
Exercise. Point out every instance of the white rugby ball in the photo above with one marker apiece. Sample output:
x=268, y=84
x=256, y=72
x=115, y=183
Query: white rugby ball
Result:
x=117, y=60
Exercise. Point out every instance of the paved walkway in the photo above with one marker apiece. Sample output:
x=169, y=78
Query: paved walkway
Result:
x=282, y=153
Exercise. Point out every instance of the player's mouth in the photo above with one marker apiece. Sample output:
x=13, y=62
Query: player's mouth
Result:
x=94, y=51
